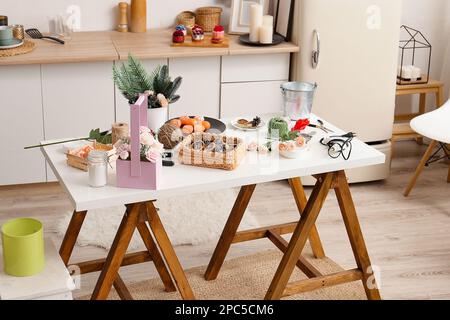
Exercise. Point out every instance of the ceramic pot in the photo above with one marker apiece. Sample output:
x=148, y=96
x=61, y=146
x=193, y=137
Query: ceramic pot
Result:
x=156, y=118
x=23, y=247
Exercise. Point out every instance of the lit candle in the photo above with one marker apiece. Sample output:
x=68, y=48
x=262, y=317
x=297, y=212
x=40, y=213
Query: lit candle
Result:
x=256, y=19
x=265, y=34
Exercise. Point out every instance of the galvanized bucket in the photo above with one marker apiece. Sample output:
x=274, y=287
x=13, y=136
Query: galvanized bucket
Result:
x=298, y=99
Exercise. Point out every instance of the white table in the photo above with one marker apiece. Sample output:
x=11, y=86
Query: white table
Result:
x=182, y=179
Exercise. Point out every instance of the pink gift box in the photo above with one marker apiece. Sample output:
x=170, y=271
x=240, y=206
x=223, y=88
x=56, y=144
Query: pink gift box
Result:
x=135, y=173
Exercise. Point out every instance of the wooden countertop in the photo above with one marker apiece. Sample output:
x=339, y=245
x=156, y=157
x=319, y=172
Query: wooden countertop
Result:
x=112, y=45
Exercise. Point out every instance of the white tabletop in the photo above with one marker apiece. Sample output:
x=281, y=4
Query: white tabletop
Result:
x=182, y=179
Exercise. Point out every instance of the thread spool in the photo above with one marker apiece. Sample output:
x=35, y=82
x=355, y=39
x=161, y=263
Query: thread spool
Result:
x=3, y=20
x=18, y=31
x=123, y=17
x=119, y=130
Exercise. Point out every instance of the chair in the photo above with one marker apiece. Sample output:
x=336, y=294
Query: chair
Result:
x=436, y=126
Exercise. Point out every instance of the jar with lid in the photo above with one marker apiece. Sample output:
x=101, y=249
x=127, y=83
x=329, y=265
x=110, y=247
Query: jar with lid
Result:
x=98, y=168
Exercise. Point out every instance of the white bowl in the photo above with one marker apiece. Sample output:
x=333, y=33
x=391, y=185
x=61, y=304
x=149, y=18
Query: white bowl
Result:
x=295, y=154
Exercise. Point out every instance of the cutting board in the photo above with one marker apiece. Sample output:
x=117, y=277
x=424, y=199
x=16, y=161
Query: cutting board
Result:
x=206, y=43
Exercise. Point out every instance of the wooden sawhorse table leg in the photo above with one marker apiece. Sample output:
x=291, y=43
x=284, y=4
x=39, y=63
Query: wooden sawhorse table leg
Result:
x=230, y=234
x=136, y=216
x=280, y=286
x=302, y=230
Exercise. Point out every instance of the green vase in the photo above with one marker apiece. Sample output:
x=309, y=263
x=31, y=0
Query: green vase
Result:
x=23, y=247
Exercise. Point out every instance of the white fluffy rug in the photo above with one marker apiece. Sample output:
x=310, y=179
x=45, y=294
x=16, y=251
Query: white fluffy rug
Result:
x=190, y=220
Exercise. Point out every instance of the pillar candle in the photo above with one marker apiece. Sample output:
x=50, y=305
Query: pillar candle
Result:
x=416, y=73
x=407, y=72
x=256, y=19
x=268, y=20
x=265, y=34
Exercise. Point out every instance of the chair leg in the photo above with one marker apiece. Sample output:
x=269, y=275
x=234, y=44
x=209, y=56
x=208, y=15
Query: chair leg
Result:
x=420, y=167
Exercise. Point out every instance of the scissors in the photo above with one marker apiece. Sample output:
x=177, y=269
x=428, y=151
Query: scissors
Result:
x=321, y=126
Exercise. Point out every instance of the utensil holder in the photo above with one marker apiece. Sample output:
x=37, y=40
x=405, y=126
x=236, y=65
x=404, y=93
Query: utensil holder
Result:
x=23, y=247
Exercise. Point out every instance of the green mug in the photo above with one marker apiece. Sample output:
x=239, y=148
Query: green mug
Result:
x=23, y=247
x=6, y=33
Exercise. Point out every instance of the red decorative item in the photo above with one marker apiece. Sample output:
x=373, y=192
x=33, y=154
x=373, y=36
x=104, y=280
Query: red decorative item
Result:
x=300, y=125
x=178, y=36
x=218, y=34
x=197, y=33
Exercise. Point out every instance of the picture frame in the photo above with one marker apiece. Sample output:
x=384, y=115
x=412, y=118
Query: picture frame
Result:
x=240, y=15
x=284, y=18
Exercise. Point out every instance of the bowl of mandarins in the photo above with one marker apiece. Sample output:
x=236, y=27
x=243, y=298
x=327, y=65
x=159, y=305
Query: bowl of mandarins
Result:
x=190, y=124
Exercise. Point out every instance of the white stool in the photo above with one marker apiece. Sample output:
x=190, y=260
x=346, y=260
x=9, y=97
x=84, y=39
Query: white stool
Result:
x=53, y=283
x=434, y=125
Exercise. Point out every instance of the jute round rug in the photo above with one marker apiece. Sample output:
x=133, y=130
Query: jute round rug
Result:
x=246, y=278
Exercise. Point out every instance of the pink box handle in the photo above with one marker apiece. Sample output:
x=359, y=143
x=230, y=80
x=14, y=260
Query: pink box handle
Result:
x=138, y=118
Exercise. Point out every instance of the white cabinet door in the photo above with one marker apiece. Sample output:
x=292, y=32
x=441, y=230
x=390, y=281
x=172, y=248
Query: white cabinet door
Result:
x=21, y=117
x=77, y=97
x=122, y=107
x=200, y=89
x=251, y=98
x=264, y=67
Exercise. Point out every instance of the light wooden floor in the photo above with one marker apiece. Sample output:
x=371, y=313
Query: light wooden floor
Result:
x=408, y=238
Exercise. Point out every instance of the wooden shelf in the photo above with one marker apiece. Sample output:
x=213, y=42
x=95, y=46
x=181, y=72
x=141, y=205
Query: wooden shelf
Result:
x=112, y=45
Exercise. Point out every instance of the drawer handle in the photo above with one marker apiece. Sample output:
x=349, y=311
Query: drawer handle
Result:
x=316, y=53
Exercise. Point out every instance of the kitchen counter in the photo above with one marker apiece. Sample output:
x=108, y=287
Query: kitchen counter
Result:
x=112, y=45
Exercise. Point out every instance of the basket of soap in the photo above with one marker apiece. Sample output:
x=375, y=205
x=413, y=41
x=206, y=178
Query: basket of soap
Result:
x=212, y=151
x=77, y=157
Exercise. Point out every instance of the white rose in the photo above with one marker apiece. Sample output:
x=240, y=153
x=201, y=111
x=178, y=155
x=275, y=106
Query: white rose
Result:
x=147, y=139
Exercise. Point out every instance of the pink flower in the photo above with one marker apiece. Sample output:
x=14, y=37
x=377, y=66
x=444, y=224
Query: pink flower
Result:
x=253, y=146
x=146, y=138
x=124, y=155
x=143, y=129
x=158, y=147
x=300, y=141
x=152, y=155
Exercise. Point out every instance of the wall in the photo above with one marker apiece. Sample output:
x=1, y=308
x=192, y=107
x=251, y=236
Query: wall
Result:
x=100, y=14
x=432, y=17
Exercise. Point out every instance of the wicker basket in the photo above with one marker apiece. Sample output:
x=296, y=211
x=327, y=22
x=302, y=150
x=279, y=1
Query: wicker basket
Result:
x=208, y=17
x=186, y=18
x=207, y=158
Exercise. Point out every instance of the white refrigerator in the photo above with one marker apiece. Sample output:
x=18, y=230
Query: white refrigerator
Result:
x=355, y=69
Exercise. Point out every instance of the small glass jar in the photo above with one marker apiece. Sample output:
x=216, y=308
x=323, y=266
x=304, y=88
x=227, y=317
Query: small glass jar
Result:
x=98, y=168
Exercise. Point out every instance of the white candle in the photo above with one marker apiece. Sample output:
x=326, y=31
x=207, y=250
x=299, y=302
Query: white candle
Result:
x=416, y=73
x=265, y=34
x=267, y=20
x=256, y=18
x=407, y=72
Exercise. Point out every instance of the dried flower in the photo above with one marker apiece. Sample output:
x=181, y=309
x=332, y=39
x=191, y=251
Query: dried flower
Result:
x=143, y=129
x=149, y=92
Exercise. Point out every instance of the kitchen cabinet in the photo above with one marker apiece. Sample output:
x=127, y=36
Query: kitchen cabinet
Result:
x=250, y=98
x=200, y=89
x=262, y=67
x=21, y=116
x=122, y=107
x=77, y=97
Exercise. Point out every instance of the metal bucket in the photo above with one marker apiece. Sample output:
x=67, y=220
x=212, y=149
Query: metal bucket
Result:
x=298, y=99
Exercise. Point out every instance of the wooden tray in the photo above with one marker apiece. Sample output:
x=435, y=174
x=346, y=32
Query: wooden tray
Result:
x=81, y=163
x=206, y=43
x=226, y=160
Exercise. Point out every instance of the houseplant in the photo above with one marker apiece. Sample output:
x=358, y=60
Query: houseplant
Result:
x=132, y=79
